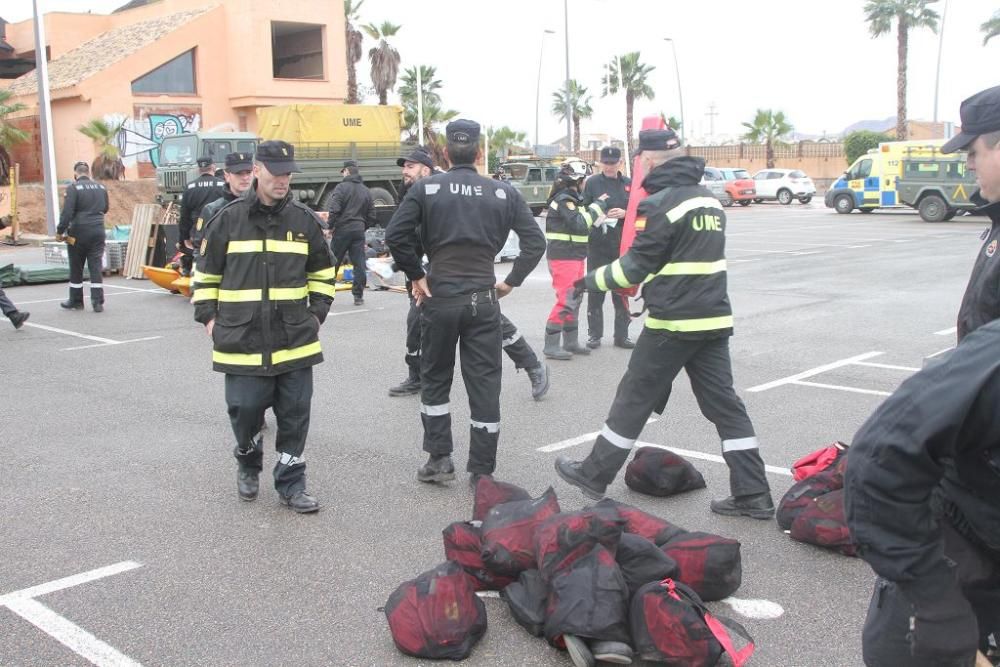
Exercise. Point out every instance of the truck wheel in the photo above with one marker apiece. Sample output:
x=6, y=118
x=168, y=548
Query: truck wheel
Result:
x=758, y=200
x=726, y=199
x=843, y=203
x=744, y=202
x=382, y=197
x=932, y=208
x=784, y=196
x=806, y=199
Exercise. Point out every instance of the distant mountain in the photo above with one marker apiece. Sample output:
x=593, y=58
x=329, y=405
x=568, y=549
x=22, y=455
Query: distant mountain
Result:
x=871, y=125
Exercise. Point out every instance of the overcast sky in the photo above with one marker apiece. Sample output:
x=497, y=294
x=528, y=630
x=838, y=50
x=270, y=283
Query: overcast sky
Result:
x=812, y=59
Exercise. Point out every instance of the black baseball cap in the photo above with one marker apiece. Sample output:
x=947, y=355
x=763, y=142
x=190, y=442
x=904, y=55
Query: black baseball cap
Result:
x=658, y=140
x=237, y=162
x=611, y=155
x=462, y=131
x=418, y=154
x=278, y=157
x=205, y=161
x=980, y=115
x=79, y=164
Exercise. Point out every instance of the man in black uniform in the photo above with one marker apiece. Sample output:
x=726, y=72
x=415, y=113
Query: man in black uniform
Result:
x=204, y=189
x=680, y=258
x=351, y=211
x=462, y=220
x=604, y=246
x=419, y=164
x=238, y=176
x=263, y=287
x=81, y=225
x=922, y=494
x=980, y=136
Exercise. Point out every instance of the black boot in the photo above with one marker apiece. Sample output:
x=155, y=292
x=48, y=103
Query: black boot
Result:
x=625, y=343
x=408, y=387
x=593, y=474
x=437, y=469
x=539, y=376
x=756, y=506
x=71, y=305
x=18, y=318
x=552, y=349
x=247, y=483
x=75, y=301
x=594, y=342
x=571, y=342
x=301, y=502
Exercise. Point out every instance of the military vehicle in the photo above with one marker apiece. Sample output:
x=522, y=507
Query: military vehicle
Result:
x=533, y=177
x=939, y=187
x=320, y=163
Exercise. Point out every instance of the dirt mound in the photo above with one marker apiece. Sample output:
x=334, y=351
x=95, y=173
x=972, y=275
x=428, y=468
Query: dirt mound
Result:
x=123, y=196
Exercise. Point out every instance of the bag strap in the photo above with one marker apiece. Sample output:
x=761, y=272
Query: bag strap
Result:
x=719, y=626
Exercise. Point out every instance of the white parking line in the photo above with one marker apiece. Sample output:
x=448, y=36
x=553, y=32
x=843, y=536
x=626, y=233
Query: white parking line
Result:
x=117, y=342
x=854, y=390
x=100, y=342
x=890, y=367
x=947, y=332
x=814, y=371
x=692, y=454
x=580, y=439
x=62, y=630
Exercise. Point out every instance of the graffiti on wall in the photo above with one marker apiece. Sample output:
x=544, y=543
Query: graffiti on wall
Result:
x=141, y=135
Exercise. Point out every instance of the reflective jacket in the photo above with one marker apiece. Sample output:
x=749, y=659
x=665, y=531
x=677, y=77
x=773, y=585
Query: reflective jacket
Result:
x=85, y=206
x=568, y=223
x=981, y=302
x=606, y=239
x=931, y=450
x=203, y=190
x=265, y=277
x=679, y=255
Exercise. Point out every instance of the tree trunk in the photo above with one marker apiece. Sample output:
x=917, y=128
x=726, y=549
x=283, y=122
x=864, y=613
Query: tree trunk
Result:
x=576, y=134
x=629, y=102
x=769, y=153
x=352, y=76
x=903, y=30
x=383, y=97
x=5, y=166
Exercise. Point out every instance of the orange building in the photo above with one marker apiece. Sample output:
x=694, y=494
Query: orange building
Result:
x=170, y=66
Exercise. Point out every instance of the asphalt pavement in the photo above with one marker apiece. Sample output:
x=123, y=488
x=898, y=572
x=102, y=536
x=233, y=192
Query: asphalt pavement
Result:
x=117, y=455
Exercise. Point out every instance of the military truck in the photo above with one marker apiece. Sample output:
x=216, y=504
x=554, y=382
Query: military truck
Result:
x=320, y=162
x=939, y=187
x=533, y=177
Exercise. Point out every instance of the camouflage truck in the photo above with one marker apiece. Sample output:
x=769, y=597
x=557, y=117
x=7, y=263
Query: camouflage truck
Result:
x=938, y=186
x=533, y=177
x=320, y=163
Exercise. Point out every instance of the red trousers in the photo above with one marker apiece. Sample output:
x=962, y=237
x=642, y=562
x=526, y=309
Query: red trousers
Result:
x=564, y=272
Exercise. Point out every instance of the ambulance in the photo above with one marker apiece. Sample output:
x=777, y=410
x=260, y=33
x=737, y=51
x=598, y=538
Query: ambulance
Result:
x=870, y=182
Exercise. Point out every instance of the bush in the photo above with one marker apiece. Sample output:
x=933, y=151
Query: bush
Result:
x=858, y=143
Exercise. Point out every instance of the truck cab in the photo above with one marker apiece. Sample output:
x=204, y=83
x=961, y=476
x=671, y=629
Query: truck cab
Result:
x=533, y=178
x=178, y=164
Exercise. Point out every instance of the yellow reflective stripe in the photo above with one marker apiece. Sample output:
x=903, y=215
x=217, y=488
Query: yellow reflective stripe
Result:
x=600, y=279
x=640, y=224
x=240, y=295
x=618, y=274
x=287, y=293
x=587, y=218
x=244, y=246
x=294, y=247
x=325, y=274
x=233, y=359
x=206, y=278
x=556, y=236
x=596, y=208
x=685, y=207
x=703, y=324
x=322, y=288
x=692, y=268
x=205, y=294
x=283, y=356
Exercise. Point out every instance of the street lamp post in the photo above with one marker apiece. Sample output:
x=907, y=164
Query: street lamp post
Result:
x=680, y=96
x=538, y=87
x=569, y=106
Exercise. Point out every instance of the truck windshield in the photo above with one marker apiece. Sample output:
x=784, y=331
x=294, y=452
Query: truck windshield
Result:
x=179, y=150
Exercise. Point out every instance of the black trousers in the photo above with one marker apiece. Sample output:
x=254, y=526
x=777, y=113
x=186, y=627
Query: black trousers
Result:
x=89, y=249
x=352, y=244
x=475, y=331
x=187, y=258
x=7, y=306
x=884, y=639
x=645, y=388
x=290, y=395
x=513, y=342
x=595, y=306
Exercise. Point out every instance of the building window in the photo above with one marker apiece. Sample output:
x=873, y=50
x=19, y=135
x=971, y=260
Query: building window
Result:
x=297, y=50
x=174, y=76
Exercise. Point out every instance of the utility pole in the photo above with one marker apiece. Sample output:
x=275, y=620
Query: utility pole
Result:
x=45, y=120
x=712, y=113
x=937, y=77
x=569, y=106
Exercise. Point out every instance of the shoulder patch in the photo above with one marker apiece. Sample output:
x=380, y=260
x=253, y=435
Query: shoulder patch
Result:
x=571, y=206
x=432, y=188
x=500, y=193
x=199, y=225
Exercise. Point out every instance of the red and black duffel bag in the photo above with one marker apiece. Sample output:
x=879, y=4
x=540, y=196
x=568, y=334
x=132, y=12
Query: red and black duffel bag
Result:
x=659, y=472
x=565, y=537
x=437, y=615
x=709, y=564
x=490, y=493
x=463, y=543
x=670, y=625
x=509, y=533
x=820, y=460
x=653, y=528
x=824, y=523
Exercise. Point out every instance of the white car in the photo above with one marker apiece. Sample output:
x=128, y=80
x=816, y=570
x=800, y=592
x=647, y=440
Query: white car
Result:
x=783, y=185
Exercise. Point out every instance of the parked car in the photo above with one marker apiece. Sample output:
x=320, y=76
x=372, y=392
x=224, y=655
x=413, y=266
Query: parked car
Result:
x=729, y=185
x=783, y=185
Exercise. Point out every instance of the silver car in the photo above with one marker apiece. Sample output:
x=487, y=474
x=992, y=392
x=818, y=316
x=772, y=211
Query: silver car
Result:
x=715, y=181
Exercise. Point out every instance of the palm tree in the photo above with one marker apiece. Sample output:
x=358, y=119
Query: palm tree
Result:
x=353, y=39
x=628, y=74
x=384, y=58
x=579, y=105
x=434, y=114
x=434, y=117
x=991, y=28
x=907, y=14
x=9, y=135
x=768, y=127
x=429, y=85
x=107, y=166
x=502, y=139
